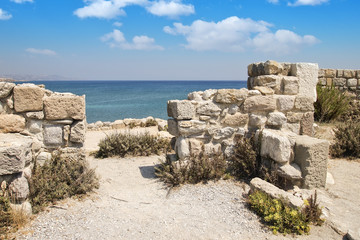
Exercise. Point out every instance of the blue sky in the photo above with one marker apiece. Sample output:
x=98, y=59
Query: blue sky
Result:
x=174, y=39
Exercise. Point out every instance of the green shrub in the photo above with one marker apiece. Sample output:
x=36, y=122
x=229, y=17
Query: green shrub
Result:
x=347, y=140
x=6, y=220
x=201, y=168
x=312, y=210
x=150, y=122
x=118, y=144
x=280, y=217
x=353, y=112
x=60, y=178
x=331, y=103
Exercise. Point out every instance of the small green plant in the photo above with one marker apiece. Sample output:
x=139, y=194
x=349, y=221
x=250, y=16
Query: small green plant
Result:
x=60, y=178
x=6, y=220
x=150, y=122
x=312, y=210
x=331, y=103
x=118, y=144
x=278, y=215
x=132, y=125
x=347, y=140
x=201, y=168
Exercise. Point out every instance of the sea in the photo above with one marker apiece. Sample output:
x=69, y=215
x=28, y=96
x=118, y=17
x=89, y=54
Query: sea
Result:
x=113, y=100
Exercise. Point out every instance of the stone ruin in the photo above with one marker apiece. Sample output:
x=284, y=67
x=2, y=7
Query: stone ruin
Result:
x=278, y=106
x=35, y=122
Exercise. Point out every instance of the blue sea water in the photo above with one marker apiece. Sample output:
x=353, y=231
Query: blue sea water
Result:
x=112, y=100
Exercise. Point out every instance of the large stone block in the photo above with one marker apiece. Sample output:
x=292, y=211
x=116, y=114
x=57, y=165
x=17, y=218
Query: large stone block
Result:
x=236, y=120
x=257, y=121
x=352, y=82
x=339, y=82
x=182, y=148
x=271, y=81
x=311, y=154
x=53, y=135
x=330, y=73
x=231, y=95
x=64, y=106
x=264, y=90
x=192, y=127
x=304, y=103
x=181, y=110
x=256, y=69
x=276, y=120
x=308, y=78
x=15, y=153
x=19, y=189
x=260, y=104
x=276, y=146
x=78, y=131
x=306, y=124
x=291, y=85
x=11, y=123
x=28, y=97
x=349, y=73
x=208, y=108
x=6, y=88
x=272, y=68
x=285, y=103
x=221, y=133
x=173, y=127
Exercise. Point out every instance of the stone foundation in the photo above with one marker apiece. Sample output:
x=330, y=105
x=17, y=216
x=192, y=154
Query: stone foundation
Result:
x=343, y=79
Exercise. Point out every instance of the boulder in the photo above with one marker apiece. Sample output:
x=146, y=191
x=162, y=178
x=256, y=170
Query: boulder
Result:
x=64, y=106
x=285, y=103
x=294, y=117
x=349, y=73
x=11, y=123
x=182, y=148
x=237, y=96
x=339, y=82
x=78, y=131
x=72, y=153
x=254, y=93
x=236, y=120
x=352, y=82
x=211, y=149
x=276, y=145
x=276, y=119
x=196, y=96
x=181, y=110
x=6, y=88
x=22, y=208
x=311, y=154
x=209, y=94
x=28, y=97
x=290, y=171
x=208, y=108
x=53, y=135
x=19, y=189
x=15, y=153
x=260, y=104
x=307, y=74
x=195, y=146
x=291, y=85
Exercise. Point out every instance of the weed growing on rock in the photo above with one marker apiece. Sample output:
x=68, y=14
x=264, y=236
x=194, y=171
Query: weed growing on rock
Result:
x=312, y=210
x=60, y=178
x=118, y=144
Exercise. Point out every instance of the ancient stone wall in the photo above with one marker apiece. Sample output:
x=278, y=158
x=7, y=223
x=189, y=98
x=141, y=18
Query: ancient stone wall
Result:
x=33, y=123
x=342, y=79
x=278, y=106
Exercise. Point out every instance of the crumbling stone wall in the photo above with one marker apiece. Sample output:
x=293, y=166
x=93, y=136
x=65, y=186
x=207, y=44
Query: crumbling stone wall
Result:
x=278, y=106
x=34, y=122
x=343, y=79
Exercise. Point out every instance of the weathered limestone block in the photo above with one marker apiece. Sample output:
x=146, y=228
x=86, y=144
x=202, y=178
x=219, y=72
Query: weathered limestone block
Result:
x=349, y=73
x=231, y=95
x=311, y=154
x=264, y=90
x=304, y=103
x=211, y=149
x=233, y=109
x=19, y=189
x=275, y=192
x=11, y=123
x=339, y=82
x=276, y=146
x=352, y=82
x=10, y=101
x=306, y=124
x=64, y=106
x=290, y=171
x=182, y=148
x=257, y=121
x=196, y=96
x=208, y=108
x=291, y=85
x=53, y=135
x=195, y=146
x=42, y=158
x=34, y=126
x=236, y=120
x=221, y=133
x=209, y=94
x=28, y=97
x=260, y=104
x=285, y=103
x=192, y=127
x=294, y=117
x=181, y=110
x=276, y=119
x=78, y=131
x=272, y=68
x=256, y=69
x=72, y=153
x=292, y=127
x=15, y=153
x=322, y=81
x=35, y=115
x=120, y=124
x=330, y=73
x=6, y=88
x=62, y=122
x=271, y=81
x=173, y=127
x=254, y=93
x=286, y=69
x=308, y=78
x=321, y=73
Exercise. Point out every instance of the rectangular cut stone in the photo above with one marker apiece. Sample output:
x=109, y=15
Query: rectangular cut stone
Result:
x=64, y=106
x=231, y=95
x=306, y=124
x=276, y=146
x=6, y=88
x=321, y=73
x=173, y=127
x=322, y=81
x=11, y=123
x=352, y=82
x=260, y=104
x=181, y=110
x=28, y=97
x=330, y=73
x=236, y=120
x=53, y=135
x=272, y=68
x=208, y=108
x=304, y=103
x=357, y=73
x=192, y=127
x=78, y=131
x=340, y=73
x=285, y=103
x=311, y=154
x=308, y=78
x=271, y=81
x=329, y=82
x=256, y=69
x=294, y=117
x=339, y=82
x=291, y=85
x=349, y=73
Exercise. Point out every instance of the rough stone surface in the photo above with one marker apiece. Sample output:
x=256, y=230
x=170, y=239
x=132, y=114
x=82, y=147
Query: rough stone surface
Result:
x=271, y=81
x=192, y=127
x=208, y=108
x=275, y=192
x=304, y=103
x=236, y=120
x=181, y=110
x=276, y=119
x=260, y=104
x=53, y=135
x=72, y=153
x=308, y=78
x=28, y=97
x=285, y=103
x=6, y=88
x=19, y=189
x=311, y=154
x=294, y=117
x=211, y=149
x=24, y=208
x=352, y=82
x=339, y=82
x=34, y=126
x=330, y=73
x=182, y=148
x=64, y=106
x=292, y=127
x=195, y=146
x=35, y=115
x=221, y=133
x=209, y=94
x=15, y=153
x=254, y=93
x=276, y=146
x=11, y=123
x=173, y=127
x=291, y=85
x=77, y=132
x=290, y=171
x=233, y=109
x=257, y=121
x=264, y=90
x=306, y=124
x=42, y=158
x=231, y=95
x=196, y=96
x=272, y=68
x=118, y=124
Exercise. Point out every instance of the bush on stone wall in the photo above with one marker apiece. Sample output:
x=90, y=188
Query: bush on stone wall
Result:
x=331, y=103
x=6, y=220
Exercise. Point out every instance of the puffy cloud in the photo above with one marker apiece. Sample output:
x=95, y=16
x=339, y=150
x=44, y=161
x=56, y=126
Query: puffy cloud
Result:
x=21, y=1
x=99, y=9
x=4, y=15
x=117, y=24
x=41, y=51
x=273, y=1
x=116, y=39
x=235, y=34
x=170, y=9
x=307, y=2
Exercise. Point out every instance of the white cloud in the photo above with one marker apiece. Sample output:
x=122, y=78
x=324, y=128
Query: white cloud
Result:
x=273, y=1
x=170, y=9
x=307, y=2
x=235, y=34
x=22, y=1
x=117, y=24
x=4, y=15
x=99, y=9
x=116, y=39
x=41, y=51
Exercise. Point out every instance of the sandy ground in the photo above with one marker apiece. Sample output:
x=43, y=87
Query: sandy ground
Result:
x=132, y=204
